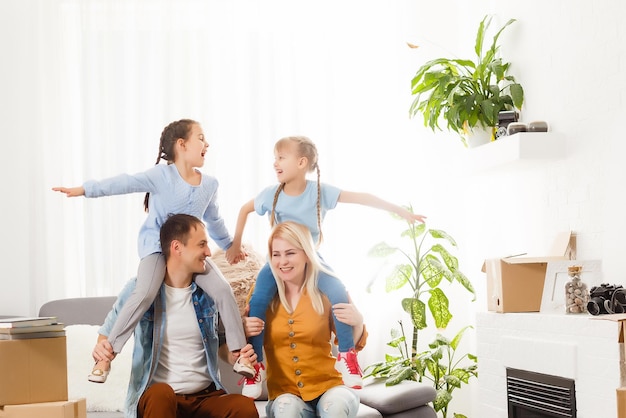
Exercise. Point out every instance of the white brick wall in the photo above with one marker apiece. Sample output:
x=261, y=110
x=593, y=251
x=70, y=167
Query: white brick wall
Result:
x=582, y=348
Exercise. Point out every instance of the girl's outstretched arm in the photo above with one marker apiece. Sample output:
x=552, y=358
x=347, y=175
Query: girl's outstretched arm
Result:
x=232, y=254
x=367, y=199
x=70, y=191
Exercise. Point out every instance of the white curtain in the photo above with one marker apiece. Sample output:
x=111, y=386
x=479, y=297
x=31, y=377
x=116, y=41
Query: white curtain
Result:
x=110, y=74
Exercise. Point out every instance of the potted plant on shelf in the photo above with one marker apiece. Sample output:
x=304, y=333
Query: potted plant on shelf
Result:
x=423, y=267
x=468, y=94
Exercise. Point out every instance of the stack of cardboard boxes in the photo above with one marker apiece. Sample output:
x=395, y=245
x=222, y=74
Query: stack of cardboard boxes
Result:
x=33, y=380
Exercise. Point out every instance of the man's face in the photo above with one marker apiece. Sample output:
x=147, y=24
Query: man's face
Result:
x=196, y=250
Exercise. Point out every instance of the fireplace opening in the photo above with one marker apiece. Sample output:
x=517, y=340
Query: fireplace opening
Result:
x=537, y=395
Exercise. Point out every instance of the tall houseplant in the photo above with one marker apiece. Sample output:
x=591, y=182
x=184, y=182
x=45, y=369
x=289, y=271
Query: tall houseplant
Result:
x=423, y=266
x=467, y=94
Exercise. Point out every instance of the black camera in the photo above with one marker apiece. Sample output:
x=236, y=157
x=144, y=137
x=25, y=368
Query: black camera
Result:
x=607, y=299
x=504, y=118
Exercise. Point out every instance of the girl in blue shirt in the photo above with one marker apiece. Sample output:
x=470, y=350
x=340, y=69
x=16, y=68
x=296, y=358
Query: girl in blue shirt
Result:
x=306, y=202
x=175, y=187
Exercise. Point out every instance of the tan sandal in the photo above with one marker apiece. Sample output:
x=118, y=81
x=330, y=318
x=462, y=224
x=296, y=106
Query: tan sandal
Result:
x=99, y=375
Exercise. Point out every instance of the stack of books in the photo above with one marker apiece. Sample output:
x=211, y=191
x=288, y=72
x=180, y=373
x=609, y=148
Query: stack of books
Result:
x=21, y=328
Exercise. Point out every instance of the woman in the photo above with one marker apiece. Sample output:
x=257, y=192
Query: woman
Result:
x=301, y=376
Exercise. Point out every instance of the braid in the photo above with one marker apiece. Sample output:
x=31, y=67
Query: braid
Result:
x=306, y=148
x=171, y=133
x=319, y=206
x=147, y=198
x=273, y=215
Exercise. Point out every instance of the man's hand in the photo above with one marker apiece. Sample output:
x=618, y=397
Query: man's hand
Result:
x=348, y=314
x=247, y=355
x=103, y=349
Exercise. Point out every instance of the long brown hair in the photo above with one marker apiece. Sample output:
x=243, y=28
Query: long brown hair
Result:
x=306, y=148
x=169, y=136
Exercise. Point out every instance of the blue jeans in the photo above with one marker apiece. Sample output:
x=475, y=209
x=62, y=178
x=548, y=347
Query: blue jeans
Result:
x=265, y=289
x=337, y=402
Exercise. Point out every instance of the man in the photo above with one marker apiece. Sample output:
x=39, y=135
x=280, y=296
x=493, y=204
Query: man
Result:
x=174, y=366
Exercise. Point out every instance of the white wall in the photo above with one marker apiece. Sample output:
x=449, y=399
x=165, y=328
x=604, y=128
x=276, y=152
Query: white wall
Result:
x=17, y=113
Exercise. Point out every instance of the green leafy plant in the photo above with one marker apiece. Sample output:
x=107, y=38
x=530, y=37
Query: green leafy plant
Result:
x=466, y=93
x=440, y=364
x=425, y=266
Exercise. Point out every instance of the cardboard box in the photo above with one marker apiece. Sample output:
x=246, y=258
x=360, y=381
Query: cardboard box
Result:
x=60, y=409
x=620, y=319
x=515, y=283
x=33, y=370
x=621, y=402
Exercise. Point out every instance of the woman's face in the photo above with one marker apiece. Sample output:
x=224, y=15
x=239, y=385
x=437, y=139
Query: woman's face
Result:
x=288, y=261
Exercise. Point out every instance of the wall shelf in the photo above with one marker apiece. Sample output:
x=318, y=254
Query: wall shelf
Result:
x=523, y=146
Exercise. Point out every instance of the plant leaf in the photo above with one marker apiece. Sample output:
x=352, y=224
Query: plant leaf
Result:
x=459, y=335
x=517, y=94
x=414, y=232
x=452, y=380
x=450, y=261
x=404, y=373
x=432, y=270
x=442, y=399
x=440, y=234
x=457, y=376
x=417, y=309
x=396, y=342
x=398, y=277
x=465, y=282
x=381, y=250
x=438, y=304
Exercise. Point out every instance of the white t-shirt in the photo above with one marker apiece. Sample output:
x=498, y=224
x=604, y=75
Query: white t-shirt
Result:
x=182, y=363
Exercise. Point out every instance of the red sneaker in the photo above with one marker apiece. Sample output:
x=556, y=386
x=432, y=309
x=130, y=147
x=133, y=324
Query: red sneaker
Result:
x=253, y=387
x=348, y=365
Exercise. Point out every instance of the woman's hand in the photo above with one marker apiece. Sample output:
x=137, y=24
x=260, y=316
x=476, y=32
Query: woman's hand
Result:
x=253, y=326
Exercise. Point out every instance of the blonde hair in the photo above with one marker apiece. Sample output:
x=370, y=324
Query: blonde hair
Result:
x=300, y=237
x=307, y=149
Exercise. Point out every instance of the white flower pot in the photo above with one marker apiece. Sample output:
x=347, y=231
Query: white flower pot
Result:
x=478, y=136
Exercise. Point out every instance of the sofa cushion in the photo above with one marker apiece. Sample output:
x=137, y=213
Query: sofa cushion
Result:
x=392, y=399
x=364, y=411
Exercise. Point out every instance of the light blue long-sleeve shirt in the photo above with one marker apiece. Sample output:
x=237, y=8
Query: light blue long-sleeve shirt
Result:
x=169, y=194
x=149, y=339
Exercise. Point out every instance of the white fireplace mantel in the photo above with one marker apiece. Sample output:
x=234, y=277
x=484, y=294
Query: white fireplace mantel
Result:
x=579, y=347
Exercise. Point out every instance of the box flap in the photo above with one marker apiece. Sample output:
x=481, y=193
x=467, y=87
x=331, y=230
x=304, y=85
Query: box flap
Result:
x=531, y=260
x=564, y=245
x=563, y=248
